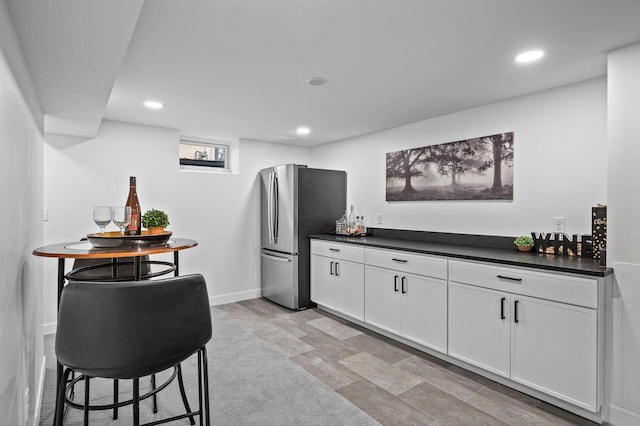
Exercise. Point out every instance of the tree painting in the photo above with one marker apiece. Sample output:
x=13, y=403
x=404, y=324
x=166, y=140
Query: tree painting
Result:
x=406, y=165
x=471, y=169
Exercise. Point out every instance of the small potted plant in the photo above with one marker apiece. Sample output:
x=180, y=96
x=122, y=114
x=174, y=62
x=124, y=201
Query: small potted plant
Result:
x=155, y=221
x=524, y=243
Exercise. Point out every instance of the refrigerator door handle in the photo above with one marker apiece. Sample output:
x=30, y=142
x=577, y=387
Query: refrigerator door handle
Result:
x=270, y=208
x=276, y=258
x=276, y=218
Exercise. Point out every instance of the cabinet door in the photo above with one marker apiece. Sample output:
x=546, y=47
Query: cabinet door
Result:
x=382, y=299
x=349, y=289
x=424, y=311
x=554, y=349
x=479, y=327
x=322, y=281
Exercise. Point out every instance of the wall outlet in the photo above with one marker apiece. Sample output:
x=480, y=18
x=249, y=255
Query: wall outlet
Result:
x=558, y=224
x=379, y=218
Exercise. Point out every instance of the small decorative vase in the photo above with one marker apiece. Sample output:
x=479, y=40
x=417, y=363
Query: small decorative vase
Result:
x=524, y=248
x=156, y=230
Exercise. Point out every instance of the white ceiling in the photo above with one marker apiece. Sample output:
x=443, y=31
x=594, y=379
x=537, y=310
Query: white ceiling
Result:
x=238, y=68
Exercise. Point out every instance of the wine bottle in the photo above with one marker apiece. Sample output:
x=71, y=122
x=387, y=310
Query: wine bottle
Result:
x=134, y=227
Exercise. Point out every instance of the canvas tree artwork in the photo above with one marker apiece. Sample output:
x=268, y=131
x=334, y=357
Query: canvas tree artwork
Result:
x=471, y=169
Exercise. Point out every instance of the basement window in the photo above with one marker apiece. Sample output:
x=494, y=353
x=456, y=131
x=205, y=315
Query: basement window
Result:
x=203, y=153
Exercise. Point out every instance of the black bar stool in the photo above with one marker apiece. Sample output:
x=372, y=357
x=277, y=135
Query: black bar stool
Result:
x=127, y=330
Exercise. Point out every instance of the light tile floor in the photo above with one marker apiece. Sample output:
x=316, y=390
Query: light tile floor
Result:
x=393, y=383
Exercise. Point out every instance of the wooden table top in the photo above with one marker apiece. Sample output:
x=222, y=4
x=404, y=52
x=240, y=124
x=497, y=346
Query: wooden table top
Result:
x=84, y=249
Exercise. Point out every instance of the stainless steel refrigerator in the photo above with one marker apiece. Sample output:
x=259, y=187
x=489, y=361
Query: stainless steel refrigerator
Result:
x=296, y=201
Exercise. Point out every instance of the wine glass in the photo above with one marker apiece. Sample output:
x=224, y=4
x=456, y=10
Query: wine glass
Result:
x=121, y=217
x=102, y=216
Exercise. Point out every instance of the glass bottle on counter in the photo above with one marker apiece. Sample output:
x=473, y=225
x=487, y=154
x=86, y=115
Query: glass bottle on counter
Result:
x=134, y=227
x=352, y=219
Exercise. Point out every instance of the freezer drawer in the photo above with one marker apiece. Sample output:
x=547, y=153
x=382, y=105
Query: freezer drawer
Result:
x=280, y=278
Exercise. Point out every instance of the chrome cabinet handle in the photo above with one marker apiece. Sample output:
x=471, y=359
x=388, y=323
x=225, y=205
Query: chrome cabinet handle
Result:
x=404, y=283
x=400, y=260
x=331, y=269
x=333, y=249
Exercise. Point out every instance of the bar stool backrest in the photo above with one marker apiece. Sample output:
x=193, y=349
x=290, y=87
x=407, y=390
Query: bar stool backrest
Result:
x=132, y=329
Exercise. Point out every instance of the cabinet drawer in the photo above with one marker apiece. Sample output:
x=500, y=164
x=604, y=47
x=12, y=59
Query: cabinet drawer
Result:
x=338, y=251
x=407, y=262
x=561, y=288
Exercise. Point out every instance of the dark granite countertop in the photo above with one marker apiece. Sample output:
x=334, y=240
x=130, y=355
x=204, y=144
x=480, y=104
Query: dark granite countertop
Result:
x=499, y=255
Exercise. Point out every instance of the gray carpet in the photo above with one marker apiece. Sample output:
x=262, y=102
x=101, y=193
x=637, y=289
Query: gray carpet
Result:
x=249, y=384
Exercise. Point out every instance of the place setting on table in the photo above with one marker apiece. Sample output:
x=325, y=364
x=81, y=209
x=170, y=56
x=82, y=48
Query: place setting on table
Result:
x=130, y=234
x=130, y=220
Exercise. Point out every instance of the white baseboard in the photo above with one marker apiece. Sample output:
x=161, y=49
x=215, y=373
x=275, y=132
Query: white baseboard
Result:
x=619, y=416
x=49, y=328
x=36, y=413
x=235, y=297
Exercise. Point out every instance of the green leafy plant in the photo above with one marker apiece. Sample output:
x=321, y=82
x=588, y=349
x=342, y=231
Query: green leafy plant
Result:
x=155, y=219
x=524, y=241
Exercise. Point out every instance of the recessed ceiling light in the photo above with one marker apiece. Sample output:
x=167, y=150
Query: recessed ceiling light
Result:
x=529, y=56
x=303, y=131
x=153, y=104
x=317, y=81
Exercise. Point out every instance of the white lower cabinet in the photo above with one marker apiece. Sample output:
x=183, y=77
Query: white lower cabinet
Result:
x=382, y=304
x=322, y=282
x=553, y=349
x=407, y=304
x=337, y=282
x=480, y=327
x=544, y=344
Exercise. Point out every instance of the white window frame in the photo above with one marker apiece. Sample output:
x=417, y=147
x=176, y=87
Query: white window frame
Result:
x=230, y=160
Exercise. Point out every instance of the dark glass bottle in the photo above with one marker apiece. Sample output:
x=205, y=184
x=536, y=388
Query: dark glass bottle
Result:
x=134, y=227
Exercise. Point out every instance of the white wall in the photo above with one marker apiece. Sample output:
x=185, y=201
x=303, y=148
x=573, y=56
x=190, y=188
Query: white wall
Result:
x=623, y=232
x=220, y=211
x=21, y=345
x=560, y=166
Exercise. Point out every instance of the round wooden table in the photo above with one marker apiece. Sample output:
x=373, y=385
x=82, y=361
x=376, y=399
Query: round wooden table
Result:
x=84, y=250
